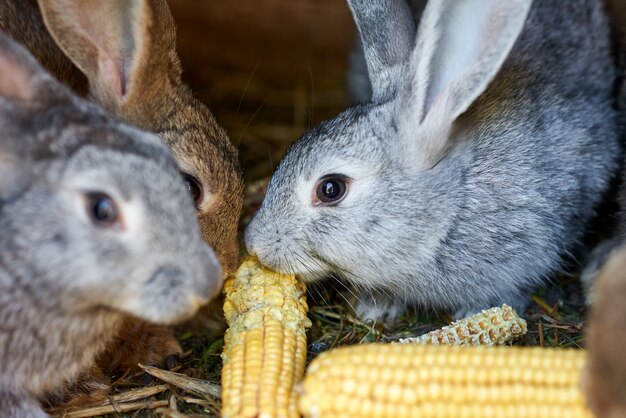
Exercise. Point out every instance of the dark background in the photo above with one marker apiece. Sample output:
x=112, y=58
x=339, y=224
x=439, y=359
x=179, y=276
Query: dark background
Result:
x=268, y=69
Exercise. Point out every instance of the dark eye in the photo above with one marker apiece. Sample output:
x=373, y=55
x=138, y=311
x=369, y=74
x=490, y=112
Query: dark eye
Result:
x=194, y=188
x=330, y=190
x=102, y=209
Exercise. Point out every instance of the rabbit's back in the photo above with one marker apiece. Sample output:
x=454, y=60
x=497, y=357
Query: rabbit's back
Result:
x=550, y=128
x=543, y=149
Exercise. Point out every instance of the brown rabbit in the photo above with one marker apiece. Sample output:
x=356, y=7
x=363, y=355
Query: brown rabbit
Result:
x=126, y=50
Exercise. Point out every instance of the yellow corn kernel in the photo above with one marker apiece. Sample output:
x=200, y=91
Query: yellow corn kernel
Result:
x=495, y=326
x=265, y=344
x=407, y=380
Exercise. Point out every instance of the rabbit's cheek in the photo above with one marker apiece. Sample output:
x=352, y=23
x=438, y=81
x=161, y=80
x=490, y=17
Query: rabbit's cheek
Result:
x=13, y=178
x=209, y=277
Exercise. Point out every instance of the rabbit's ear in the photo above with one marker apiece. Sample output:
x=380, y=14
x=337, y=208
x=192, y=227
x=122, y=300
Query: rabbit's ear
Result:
x=387, y=34
x=23, y=81
x=21, y=77
x=459, y=49
x=112, y=42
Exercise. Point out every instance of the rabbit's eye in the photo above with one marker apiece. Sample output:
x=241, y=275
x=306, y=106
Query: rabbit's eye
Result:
x=102, y=209
x=330, y=190
x=194, y=188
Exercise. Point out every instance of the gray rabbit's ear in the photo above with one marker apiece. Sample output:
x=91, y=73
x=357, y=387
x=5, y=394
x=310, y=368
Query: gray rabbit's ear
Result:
x=387, y=34
x=21, y=77
x=460, y=47
x=105, y=39
x=23, y=81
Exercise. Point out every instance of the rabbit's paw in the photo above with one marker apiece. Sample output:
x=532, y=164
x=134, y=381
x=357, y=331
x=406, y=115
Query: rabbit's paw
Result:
x=377, y=308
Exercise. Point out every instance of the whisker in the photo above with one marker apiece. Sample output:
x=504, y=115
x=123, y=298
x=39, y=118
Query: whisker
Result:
x=263, y=225
x=245, y=128
x=245, y=89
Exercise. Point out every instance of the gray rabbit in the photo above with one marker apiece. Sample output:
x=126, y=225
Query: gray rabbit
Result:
x=85, y=236
x=472, y=171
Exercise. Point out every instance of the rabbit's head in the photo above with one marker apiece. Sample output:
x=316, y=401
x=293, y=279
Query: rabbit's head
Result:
x=127, y=50
x=374, y=187
x=91, y=210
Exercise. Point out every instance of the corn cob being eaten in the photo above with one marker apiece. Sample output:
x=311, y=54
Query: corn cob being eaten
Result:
x=265, y=344
x=406, y=380
x=495, y=326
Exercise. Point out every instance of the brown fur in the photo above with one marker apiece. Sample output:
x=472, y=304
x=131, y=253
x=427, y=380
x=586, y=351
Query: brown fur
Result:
x=90, y=388
x=150, y=94
x=605, y=374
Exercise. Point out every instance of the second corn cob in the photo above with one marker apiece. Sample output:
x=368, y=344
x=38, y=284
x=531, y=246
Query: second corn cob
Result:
x=495, y=326
x=265, y=344
x=384, y=380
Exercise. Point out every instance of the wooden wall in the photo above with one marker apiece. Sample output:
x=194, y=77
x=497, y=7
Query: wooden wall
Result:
x=267, y=68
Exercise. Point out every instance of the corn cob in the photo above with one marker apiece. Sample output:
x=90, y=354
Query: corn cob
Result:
x=385, y=380
x=265, y=345
x=495, y=326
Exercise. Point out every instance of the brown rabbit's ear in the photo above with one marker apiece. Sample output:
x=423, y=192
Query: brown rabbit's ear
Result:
x=110, y=41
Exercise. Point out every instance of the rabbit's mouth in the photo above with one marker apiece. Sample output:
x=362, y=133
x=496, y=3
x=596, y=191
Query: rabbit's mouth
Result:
x=171, y=294
x=308, y=268
x=309, y=276
x=169, y=308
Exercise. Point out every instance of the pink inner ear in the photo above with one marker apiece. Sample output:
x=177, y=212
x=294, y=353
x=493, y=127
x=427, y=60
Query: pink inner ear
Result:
x=16, y=81
x=111, y=75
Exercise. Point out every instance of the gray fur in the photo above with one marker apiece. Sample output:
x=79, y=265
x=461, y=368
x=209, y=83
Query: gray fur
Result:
x=64, y=281
x=387, y=39
x=468, y=189
x=357, y=80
